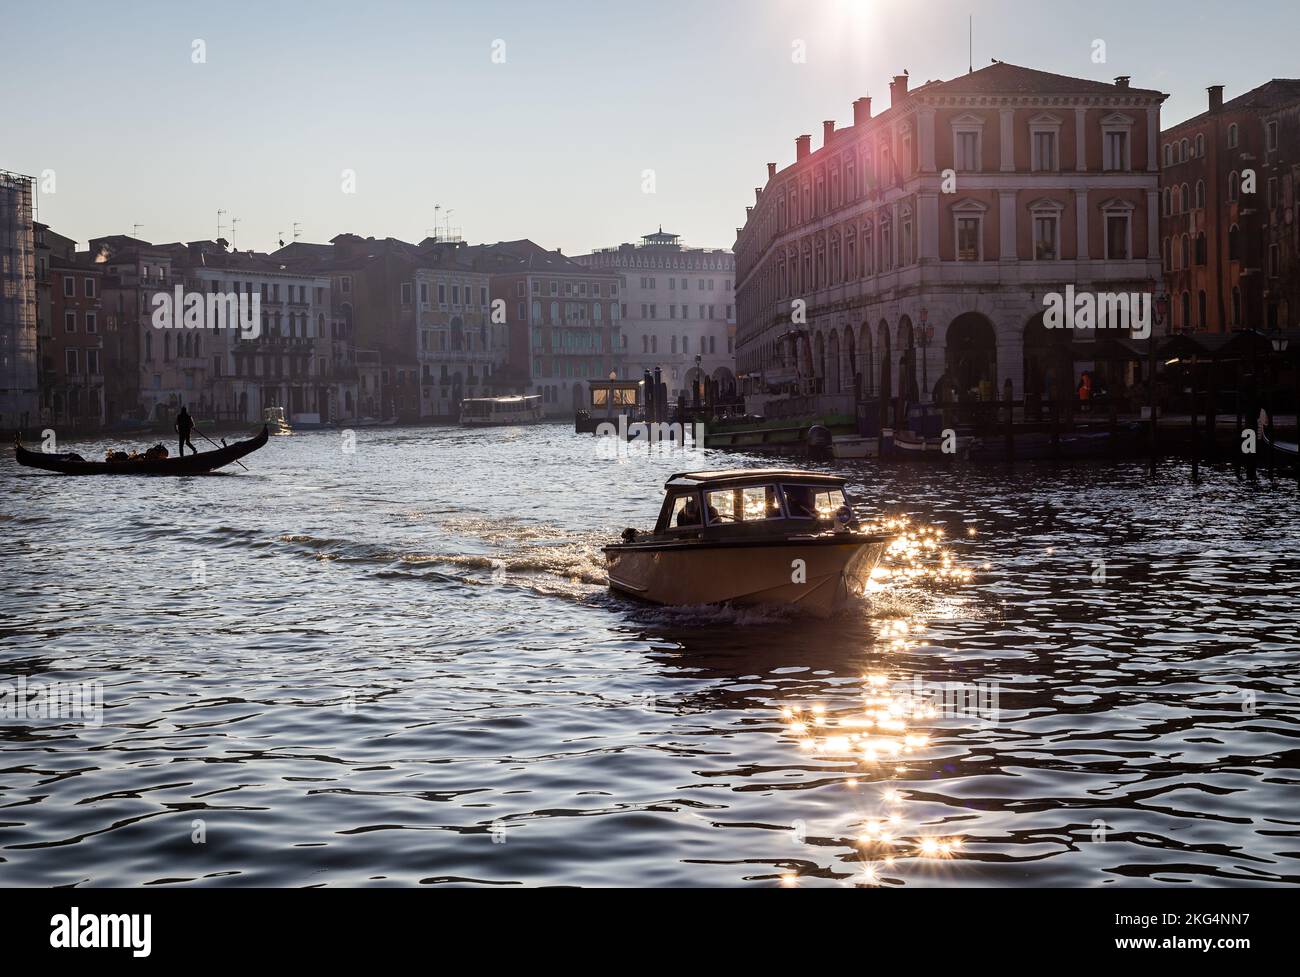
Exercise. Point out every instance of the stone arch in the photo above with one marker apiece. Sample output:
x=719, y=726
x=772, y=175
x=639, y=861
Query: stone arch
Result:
x=972, y=353
x=885, y=388
x=908, y=388
x=1049, y=370
x=833, y=363
x=850, y=370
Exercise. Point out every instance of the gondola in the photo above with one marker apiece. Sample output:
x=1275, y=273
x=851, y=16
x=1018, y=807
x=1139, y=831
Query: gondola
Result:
x=1284, y=452
x=69, y=463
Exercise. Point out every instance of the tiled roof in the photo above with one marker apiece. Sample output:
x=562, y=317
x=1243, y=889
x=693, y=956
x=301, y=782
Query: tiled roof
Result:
x=1270, y=95
x=1002, y=78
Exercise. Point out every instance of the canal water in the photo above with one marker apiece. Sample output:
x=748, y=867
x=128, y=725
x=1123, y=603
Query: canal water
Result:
x=399, y=665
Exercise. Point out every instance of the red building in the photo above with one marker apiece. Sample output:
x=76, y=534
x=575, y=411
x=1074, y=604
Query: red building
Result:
x=73, y=364
x=1229, y=234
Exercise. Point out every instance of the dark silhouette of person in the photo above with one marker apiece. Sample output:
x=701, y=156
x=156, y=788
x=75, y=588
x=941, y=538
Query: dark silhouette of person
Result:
x=184, y=425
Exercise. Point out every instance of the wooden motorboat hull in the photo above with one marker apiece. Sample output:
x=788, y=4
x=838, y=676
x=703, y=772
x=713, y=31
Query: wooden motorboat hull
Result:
x=199, y=464
x=835, y=568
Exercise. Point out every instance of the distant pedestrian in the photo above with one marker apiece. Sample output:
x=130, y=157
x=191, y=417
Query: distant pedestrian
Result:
x=184, y=425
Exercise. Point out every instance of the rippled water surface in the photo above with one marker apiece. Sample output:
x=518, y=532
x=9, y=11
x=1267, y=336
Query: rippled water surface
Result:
x=401, y=666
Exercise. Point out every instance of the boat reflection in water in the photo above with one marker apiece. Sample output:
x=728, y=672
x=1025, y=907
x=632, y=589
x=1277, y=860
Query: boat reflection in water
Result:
x=747, y=537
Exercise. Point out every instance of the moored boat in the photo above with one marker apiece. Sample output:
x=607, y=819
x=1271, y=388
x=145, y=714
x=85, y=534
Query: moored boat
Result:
x=747, y=537
x=70, y=463
x=491, y=411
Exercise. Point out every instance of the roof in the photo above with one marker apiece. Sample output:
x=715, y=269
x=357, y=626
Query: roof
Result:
x=737, y=475
x=1003, y=78
x=1270, y=95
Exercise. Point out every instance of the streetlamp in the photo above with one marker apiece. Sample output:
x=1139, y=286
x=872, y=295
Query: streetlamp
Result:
x=925, y=334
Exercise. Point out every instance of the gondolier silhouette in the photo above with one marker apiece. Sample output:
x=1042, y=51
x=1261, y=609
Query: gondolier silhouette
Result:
x=184, y=425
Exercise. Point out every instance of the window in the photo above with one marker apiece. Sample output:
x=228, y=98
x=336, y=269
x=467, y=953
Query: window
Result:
x=1200, y=144
x=1045, y=237
x=70, y=362
x=92, y=361
x=1234, y=186
x=1116, y=236
x=753, y=503
x=70, y=322
x=1044, y=150
x=406, y=293
x=967, y=150
x=69, y=286
x=1271, y=136
x=1232, y=136
x=1118, y=224
x=968, y=238
x=812, y=502
x=1115, y=130
x=1274, y=260
x=89, y=286
x=92, y=322
x=1116, y=151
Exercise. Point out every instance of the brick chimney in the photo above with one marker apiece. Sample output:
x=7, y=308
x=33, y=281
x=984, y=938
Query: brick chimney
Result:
x=1216, y=97
x=1122, y=81
x=771, y=170
x=897, y=90
x=802, y=146
x=828, y=130
x=862, y=110
x=758, y=195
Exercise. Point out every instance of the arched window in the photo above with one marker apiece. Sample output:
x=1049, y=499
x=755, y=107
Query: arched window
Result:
x=1168, y=255
x=1200, y=309
x=1200, y=144
x=1232, y=136
x=1234, y=185
x=1187, y=252
x=1200, y=194
x=1234, y=243
x=1165, y=199
x=1187, y=197
x=1201, y=256
x=1187, y=310
x=1177, y=201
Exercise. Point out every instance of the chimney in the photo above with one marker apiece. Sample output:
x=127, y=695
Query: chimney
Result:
x=802, y=145
x=1216, y=97
x=771, y=170
x=1122, y=81
x=749, y=212
x=758, y=195
x=862, y=110
x=828, y=130
x=897, y=90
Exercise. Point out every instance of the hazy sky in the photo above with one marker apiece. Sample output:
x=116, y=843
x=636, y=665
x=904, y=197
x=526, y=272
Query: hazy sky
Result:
x=550, y=144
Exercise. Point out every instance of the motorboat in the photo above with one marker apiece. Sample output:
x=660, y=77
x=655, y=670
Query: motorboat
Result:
x=275, y=421
x=493, y=411
x=749, y=537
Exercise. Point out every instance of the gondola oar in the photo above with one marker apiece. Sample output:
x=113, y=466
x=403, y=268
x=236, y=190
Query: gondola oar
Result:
x=215, y=445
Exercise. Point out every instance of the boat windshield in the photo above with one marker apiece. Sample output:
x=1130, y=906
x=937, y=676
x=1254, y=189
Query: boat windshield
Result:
x=750, y=503
x=812, y=502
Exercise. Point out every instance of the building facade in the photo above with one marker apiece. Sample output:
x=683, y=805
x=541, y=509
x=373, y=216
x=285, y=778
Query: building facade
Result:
x=918, y=244
x=1229, y=237
x=677, y=311
x=72, y=356
x=19, y=369
x=564, y=321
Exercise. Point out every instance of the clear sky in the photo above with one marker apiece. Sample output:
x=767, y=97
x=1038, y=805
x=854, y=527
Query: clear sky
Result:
x=551, y=142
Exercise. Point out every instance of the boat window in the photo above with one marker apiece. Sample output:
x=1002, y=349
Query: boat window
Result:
x=809, y=502
x=751, y=503
x=685, y=511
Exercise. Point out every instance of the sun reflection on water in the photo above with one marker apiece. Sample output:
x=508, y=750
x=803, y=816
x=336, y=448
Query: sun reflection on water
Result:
x=885, y=733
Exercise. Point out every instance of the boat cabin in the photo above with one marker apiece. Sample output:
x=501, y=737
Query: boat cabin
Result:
x=752, y=502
